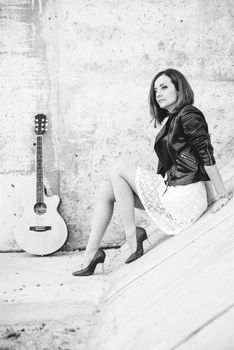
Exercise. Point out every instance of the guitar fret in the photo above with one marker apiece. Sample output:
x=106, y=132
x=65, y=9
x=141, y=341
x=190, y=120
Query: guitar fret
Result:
x=39, y=171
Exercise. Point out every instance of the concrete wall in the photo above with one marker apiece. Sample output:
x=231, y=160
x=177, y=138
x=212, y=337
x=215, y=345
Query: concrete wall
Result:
x=88, y=66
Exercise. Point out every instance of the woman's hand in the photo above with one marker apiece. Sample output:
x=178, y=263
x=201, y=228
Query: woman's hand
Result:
x=221, y=202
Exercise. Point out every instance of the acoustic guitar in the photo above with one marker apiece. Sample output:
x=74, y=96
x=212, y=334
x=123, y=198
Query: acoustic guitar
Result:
x=41, y=230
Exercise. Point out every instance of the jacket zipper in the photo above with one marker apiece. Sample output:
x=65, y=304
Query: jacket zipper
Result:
x=186, y=157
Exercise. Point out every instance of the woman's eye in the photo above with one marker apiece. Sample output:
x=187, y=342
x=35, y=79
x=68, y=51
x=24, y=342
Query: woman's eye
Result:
x=164, y=87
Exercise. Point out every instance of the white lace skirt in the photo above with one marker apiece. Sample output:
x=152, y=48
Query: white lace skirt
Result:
x=174, y=210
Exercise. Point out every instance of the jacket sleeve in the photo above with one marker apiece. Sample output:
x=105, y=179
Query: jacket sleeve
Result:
x=196, y=131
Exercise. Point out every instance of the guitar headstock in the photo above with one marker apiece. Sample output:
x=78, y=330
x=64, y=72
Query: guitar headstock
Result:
x=41, y=124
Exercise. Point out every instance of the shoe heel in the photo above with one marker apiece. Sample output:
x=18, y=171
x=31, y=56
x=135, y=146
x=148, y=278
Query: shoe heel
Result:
x=146, y=238
x=103, y=269
x=99, y=257
x=149, y=242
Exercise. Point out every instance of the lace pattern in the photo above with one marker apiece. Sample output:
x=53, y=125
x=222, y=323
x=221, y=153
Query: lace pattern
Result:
x=172, y=208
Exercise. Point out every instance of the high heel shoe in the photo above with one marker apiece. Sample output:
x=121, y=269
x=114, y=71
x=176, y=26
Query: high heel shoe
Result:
x=141, y=236
x=98, y=258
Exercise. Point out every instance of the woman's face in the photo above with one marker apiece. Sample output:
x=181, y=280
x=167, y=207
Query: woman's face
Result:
x=165, y=92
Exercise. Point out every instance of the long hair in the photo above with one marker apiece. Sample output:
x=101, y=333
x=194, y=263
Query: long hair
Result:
x=185, y=95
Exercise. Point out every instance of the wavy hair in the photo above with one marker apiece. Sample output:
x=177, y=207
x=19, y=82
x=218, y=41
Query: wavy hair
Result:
x=185, y=95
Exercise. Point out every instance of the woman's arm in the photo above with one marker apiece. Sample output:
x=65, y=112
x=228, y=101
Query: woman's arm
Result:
x=222, y=194
x=196, y=131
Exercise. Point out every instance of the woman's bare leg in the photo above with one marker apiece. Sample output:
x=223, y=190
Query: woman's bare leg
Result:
x=102, y=215
x=103, y=211
x=123, y=182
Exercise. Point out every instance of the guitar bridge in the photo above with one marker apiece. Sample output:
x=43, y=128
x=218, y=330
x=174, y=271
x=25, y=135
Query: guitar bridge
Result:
x=40, y=228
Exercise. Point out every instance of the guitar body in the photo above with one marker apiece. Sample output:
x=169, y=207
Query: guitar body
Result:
x=41, y=234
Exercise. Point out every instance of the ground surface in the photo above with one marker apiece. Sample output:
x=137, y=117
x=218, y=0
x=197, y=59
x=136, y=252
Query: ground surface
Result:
x=42, y=306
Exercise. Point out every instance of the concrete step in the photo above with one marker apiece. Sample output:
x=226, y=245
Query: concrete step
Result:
x=179, y=295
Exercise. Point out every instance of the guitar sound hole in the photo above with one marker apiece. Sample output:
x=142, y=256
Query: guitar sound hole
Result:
x=40, y=208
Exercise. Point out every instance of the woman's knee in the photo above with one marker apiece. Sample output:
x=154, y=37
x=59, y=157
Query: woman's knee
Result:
x=119, y=167
x=105, y=191
x=115, y=169
x=125, y=170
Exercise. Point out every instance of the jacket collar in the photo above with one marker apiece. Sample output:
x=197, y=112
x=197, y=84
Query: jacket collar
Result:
x=164, y=128
x=160, y=133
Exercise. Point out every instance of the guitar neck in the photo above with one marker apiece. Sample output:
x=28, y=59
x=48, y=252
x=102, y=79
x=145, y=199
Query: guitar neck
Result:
x=39, y=171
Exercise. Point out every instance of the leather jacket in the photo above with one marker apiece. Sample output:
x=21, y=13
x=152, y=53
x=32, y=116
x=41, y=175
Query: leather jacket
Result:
x=183, y=147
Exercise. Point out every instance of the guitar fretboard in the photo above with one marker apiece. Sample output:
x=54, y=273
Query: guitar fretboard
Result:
x=39, y=171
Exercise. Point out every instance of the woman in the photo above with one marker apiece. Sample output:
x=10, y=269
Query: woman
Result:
x=176, y=196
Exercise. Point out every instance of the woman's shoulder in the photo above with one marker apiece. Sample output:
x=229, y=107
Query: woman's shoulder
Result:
x=192, y=117
x=190, y=109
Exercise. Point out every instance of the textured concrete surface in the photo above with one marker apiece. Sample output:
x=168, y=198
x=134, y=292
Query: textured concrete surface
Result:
x=42, y=306
x=88, y=66
x=26, y=89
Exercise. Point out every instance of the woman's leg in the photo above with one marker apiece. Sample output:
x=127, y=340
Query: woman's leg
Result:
x=102, y=215
x=103, y=211
x=123, y=182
